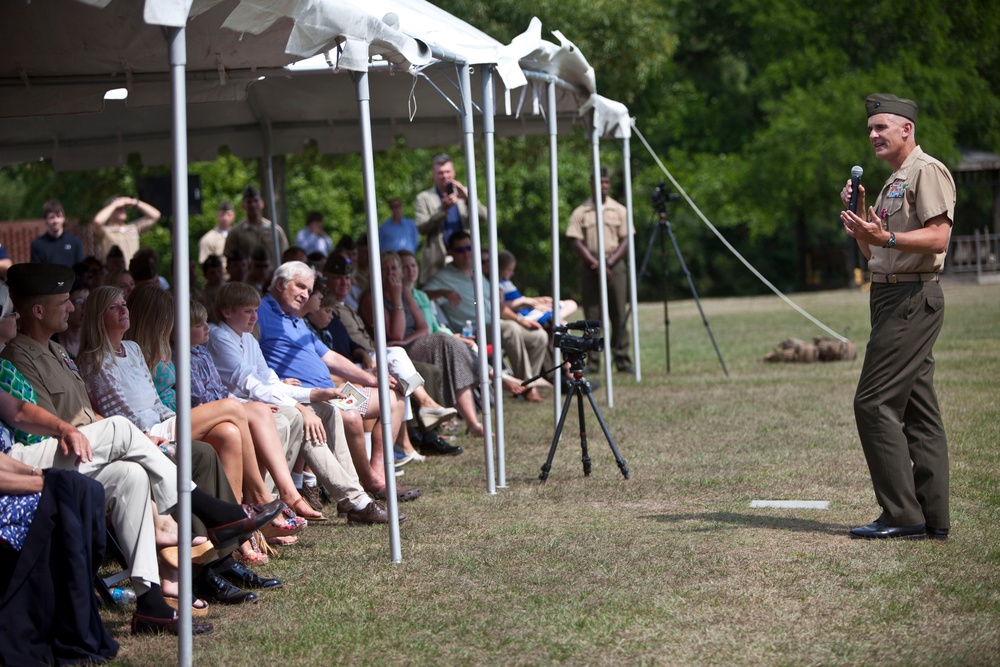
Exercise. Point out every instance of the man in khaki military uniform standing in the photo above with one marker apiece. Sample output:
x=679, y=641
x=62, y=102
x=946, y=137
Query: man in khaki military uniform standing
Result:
x=905, y=237
x=582, y=231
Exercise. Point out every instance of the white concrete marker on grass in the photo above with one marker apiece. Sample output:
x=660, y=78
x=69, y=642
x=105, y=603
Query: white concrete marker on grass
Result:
x=793, y=504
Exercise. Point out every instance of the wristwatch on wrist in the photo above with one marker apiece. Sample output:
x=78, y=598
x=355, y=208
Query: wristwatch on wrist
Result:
x=891, y=243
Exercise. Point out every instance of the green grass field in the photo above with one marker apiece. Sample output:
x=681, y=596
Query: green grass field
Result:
x=670, y=567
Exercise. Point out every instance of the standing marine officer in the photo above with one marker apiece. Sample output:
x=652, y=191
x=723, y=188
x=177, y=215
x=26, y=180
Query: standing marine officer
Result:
x=905, y=238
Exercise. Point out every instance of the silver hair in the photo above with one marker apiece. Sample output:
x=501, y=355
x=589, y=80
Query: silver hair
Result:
x=5, y=303
x=290, y=270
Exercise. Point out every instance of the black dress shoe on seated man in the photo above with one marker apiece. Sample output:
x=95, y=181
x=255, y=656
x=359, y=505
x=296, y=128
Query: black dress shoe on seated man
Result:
x=937, y=533
x=244, y=577
x=877, y=530
x=439, y=447
x=210, y=586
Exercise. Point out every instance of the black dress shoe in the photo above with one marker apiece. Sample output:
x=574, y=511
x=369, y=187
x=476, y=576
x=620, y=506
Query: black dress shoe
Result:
x=937, y=533
x=877, y=530
x=210, y=586
x=626, y=368
x=244, y=577
x=237, y=531
x=439, y=447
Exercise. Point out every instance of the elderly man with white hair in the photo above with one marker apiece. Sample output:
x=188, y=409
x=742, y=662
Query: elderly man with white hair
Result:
x=292, y=350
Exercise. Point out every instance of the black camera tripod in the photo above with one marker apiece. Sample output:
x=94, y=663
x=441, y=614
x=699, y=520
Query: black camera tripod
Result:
x=579, y=387
x=663, y=228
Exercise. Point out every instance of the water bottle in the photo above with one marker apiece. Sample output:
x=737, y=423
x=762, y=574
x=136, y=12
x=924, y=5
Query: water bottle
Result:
x=122, y=596
x=467, y=330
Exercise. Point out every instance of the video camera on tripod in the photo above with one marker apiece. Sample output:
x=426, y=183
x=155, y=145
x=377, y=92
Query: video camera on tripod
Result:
x=662, y=196
x=570, y=345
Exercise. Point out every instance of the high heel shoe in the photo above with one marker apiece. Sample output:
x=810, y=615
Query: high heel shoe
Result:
x=237, y=531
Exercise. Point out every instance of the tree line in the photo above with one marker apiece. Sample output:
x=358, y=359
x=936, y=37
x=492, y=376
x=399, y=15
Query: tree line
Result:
x=756, y=108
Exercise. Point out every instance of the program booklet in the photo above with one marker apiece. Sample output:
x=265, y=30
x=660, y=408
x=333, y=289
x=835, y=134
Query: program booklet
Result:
x=352, y=400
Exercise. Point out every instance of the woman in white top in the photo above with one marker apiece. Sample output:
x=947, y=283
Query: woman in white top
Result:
x=119, y=383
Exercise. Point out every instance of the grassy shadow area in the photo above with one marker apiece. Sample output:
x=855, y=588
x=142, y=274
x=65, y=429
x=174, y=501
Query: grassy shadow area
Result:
x=670, y=567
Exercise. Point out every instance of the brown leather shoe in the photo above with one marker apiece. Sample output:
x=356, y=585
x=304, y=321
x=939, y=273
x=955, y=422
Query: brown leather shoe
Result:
x=403, y=493
x=311, y=494
x=373, y=513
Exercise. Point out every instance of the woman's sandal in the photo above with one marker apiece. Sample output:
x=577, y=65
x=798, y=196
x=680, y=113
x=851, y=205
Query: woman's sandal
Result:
x=305, y=510
x=199, y=608
x=282, y=540
x=289, y=527
x=200, y=554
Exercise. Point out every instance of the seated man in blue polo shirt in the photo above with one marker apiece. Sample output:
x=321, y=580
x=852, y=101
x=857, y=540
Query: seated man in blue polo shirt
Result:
x=293, y=352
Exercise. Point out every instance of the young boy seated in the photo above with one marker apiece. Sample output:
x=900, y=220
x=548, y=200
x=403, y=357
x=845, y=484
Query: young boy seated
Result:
x=537, y=308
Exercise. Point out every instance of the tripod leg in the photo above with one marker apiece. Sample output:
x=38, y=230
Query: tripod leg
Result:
x=584, y=455
x=555, y=439
x=607, y=434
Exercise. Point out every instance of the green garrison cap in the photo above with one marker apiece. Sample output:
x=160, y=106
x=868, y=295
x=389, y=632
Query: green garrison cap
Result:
x=26, y=280
x=885, y=103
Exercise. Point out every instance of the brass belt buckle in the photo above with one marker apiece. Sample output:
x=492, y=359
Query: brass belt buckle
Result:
x=891, y=279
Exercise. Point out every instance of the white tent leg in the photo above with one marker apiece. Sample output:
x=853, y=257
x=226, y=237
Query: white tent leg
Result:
x=632, y=287
x=603, y=267
x=468, y=132
x=273, y=205
x=554, y=211
x=381, y=362
x=182, y=326
x=491, y=226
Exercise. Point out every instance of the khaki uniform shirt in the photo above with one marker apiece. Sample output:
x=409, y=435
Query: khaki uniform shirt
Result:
x=53, y=374
x=922, y=188
x=246, y=237
x=583, y=225
x=355, y=326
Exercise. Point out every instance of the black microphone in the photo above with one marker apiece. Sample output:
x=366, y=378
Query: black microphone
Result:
x=856, y=173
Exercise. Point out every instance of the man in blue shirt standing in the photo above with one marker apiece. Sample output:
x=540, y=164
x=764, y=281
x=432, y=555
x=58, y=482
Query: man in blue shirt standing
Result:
x=56, y=245
x=398, y=232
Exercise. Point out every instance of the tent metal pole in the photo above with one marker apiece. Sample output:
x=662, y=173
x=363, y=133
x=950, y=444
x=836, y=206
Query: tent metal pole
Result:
x=381, y=361
x=491, y=217
x=632, y=287
x=554, y=210
x=182, y=326
x=273, y=205
x=468, y=132
x=602, y=263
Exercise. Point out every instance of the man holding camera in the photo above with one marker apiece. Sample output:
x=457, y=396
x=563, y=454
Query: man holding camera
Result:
x=441, y=211
x=582, y=232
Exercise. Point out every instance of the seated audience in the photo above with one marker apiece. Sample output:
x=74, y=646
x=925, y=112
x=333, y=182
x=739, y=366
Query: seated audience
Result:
x=247, y=375
x=70, y=337
x=119, y=383
x=532, y=308
x=207, y=386
x=405, y=326
x=293, y=352
x=39, y=293
x=525, y=343
x=37, y=564
x=121, y=279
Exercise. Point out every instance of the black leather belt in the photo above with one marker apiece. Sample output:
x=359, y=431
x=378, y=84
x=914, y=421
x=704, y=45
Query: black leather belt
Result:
x=893, y=278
